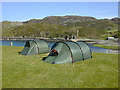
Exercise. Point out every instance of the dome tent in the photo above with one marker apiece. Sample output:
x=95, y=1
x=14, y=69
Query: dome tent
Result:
x=35, y=47
x=68, y=52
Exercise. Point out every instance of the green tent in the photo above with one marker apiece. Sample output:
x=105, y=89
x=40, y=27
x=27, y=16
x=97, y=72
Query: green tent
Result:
x=35, y=47
x=68, y=52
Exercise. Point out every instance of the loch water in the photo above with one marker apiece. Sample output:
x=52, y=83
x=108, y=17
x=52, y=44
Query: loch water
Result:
x=22, y=43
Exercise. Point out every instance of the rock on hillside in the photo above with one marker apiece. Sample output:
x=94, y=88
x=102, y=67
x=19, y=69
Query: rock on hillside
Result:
x=116, y=20
x=61, y=19
x=34, y=21
x=6, y=25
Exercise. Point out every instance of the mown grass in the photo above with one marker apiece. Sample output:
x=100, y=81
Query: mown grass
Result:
x=0, y=68
x=108, y=47
x=20, y=71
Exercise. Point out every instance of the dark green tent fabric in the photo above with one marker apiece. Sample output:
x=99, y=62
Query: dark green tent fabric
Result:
x=85, y=50
x=35, y=47
x=68, y=52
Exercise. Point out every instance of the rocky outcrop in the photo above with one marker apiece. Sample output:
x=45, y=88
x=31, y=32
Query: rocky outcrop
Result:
x=116, y=20
x=61, y=19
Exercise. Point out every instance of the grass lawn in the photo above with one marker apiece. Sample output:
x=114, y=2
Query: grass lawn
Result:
x=108, y=47
x=20, y=71
x=0, y=68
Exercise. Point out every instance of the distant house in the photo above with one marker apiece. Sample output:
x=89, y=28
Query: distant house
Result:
x=110, y=38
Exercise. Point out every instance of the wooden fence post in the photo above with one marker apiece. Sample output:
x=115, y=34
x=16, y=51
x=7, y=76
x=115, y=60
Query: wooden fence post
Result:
x=11, y=44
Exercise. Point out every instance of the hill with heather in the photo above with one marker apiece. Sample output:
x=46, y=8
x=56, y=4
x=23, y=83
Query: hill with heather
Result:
x=61, y=26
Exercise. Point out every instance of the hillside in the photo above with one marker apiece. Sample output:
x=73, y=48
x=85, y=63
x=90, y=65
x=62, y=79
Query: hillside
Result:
x=8, y=27
x=60, y=19
x=61, y=26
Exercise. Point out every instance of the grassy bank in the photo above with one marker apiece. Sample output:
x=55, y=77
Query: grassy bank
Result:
x=108, y=47
x=30, y=72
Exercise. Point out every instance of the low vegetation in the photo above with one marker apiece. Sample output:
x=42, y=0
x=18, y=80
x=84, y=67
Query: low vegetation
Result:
x=61, y=26
x=20, y=71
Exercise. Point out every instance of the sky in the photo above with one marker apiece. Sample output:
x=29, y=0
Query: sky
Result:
x=59, y=0
x=22, y=11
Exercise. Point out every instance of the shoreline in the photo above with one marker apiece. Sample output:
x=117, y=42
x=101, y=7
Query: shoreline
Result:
x=89, y=41
x=29, y=38
x=32, y=38
x=92, y=41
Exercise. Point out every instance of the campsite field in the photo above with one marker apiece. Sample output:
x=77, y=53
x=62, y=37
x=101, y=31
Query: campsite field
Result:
x=20, y=71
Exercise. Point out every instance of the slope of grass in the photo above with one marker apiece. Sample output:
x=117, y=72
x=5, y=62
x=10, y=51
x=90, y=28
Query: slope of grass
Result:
x=0, y=67
x=20, y=71
x=108, y=47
